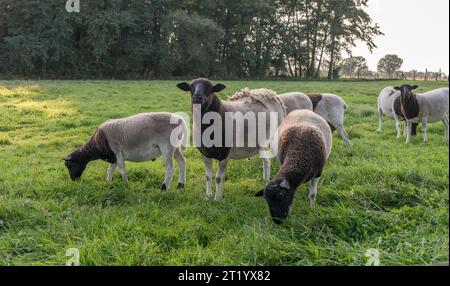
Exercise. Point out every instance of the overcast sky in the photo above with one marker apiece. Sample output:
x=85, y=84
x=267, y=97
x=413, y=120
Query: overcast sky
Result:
x=416, y=30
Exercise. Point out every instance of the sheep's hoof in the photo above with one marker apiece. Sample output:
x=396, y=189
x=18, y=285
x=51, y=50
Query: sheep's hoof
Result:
x=164, y=188
x=218, y=198
x=209, y=197
x=180, y=186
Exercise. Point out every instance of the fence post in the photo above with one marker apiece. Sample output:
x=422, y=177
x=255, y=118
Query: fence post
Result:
x=426, y=74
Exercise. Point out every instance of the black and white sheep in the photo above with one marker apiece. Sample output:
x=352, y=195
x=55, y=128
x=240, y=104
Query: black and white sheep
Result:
x=304, y=146
x=140, y=138
x=389, y=105
x=429, y=107
x=251, y=102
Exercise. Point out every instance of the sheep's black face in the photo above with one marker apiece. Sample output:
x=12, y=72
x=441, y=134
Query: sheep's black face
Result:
x=75, y=167
x=406, y=89
x=201, y=91
x=279, y=198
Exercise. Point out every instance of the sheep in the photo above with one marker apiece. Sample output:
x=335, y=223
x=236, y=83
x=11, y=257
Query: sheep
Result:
x=427, y=108
x=390, y=106
x=140, y=138
x=332, y=108
x=296, y=101
x=304, y=146
x=259, y=101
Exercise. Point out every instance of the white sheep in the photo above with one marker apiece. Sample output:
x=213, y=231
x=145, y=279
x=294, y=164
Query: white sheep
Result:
x=140, y=138
x=332, y=108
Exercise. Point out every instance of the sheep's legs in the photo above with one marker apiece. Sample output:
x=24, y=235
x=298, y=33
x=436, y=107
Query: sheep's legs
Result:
x=111, y=170
x=380, y=120
x=424, y=130
x=446, y=126
x=408, y=131
x=209, y=173
x=121, y=166
x=344, y=135
x=266, y=174
x=220, y=178
x=313, y=191
x=170, y=170
x=182, y=165
x=398, y=126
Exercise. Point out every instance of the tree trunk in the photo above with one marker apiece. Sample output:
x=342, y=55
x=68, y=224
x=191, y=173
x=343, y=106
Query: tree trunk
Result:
x=312, y=64
x=331, y=67
x=321, y=55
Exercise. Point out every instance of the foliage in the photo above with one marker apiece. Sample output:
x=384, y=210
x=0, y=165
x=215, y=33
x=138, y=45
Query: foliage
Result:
x=354, y=66
x=390, y=64
x=163, y=38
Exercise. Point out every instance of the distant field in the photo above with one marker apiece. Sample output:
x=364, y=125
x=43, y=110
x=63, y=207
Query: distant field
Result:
x=380, y=194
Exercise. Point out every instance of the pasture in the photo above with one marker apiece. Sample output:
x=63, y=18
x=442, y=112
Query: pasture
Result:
x=379, y=194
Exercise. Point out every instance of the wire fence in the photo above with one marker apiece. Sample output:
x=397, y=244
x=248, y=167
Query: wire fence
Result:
x=399, y=75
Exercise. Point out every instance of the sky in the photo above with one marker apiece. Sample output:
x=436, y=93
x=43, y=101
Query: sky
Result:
x=416, y=30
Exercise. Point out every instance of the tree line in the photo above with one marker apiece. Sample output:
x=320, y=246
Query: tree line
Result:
x=174, y=38
x=389, y=67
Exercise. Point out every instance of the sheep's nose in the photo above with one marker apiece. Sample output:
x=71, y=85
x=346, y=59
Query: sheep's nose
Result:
x=197, y=99
x=277, y=220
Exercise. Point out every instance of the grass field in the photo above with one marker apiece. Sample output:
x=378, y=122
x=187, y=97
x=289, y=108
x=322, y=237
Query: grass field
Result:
x=379, y=194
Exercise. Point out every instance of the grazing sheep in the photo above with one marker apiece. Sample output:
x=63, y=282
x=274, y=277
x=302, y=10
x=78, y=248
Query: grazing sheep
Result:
x=140, y=138
x=296, y=101
x=332, y=108
x=390, y=106
x=246, y=101
x=427, y=108
x=304, y=146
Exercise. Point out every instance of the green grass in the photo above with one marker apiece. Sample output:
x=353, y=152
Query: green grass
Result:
x=379, y=194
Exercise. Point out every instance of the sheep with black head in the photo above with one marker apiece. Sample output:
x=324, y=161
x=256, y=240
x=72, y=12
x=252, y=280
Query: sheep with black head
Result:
x=258, y=102
x=429, y=107
x=140, y=138
x=304, y=146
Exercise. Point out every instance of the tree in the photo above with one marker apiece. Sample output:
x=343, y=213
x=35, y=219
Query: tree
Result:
x=349, y=22
x=192, y=43
x=163, y=38
x=390, y=64
x=354, y=66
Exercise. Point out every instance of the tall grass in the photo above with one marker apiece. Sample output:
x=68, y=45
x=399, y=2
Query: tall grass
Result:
x=379, y=194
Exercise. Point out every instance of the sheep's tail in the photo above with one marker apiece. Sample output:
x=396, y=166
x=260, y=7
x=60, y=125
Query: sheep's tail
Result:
x=345, y=105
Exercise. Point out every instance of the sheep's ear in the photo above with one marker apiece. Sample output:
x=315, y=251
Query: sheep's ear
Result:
x=184, y=86
x=218, y=87
x=259, y=194
x=285, y=184
x=414, y=87
x=397, y=88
